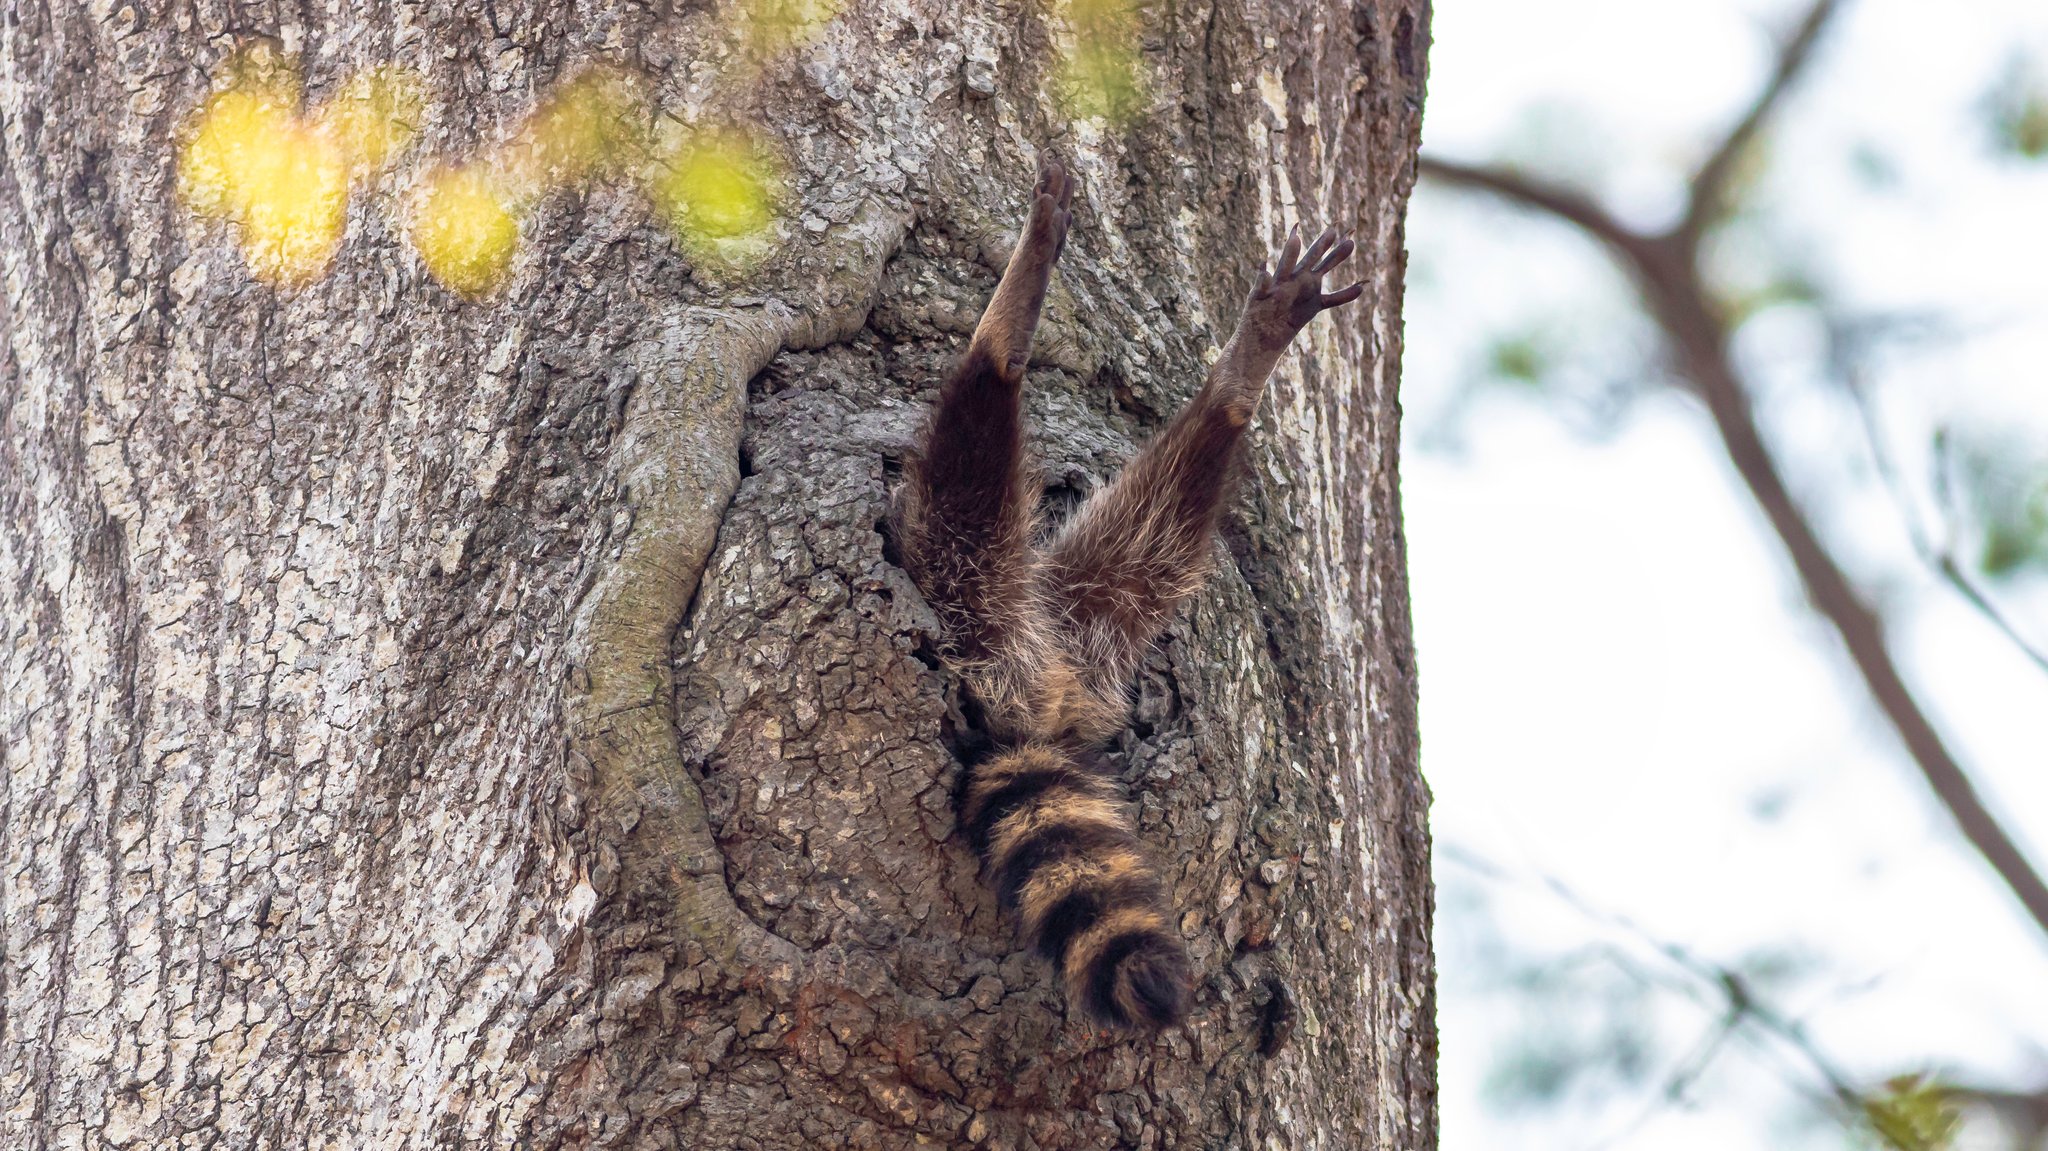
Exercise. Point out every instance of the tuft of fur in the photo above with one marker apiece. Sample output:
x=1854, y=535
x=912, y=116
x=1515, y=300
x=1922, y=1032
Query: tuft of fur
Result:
x=1047, y=642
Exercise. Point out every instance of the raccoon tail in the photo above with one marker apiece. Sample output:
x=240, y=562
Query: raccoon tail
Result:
x=1061, y=851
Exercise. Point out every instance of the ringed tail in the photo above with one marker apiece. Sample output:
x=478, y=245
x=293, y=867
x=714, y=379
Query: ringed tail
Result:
x=1062, y=852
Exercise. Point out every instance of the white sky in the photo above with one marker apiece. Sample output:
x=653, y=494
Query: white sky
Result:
x=1617, y=670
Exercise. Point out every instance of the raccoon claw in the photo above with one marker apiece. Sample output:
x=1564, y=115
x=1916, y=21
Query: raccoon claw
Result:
x=1286, y=298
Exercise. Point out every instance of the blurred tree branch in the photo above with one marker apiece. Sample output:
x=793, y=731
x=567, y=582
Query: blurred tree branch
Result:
x=1710, y=183
x=1666, y=269
x=2025, y=1113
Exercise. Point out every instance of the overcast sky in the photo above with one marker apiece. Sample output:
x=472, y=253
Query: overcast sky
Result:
x=1621, y=689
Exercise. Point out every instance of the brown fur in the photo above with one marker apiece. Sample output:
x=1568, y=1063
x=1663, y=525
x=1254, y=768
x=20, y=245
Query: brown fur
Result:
x=1048, y=642
x=1048, y=885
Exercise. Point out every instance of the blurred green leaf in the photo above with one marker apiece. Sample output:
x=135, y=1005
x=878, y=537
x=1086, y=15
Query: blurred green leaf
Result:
x=1525, y=358
x=1914, y=1114
x=1587, y=366
x=1786, y=287
x=1751, y=264
x=1997, y=484
x=1587, y=1026
x=2017, y=108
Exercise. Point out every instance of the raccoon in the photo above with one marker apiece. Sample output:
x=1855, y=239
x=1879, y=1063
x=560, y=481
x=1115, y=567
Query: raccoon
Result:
x=1047, y=638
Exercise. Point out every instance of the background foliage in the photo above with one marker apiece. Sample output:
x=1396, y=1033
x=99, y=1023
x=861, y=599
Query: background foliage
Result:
x=1695, y=890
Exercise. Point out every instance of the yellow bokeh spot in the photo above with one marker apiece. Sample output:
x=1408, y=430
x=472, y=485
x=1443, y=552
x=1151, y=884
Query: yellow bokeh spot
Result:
x=465, y=231
x=716, y=188
x=373, y=117
x=1100, y=73
x=586, y=128
x=280, y=178
x=1101, y=80
x=773, y=25
x=249, y=159
x=297, y=208
x=230, y=126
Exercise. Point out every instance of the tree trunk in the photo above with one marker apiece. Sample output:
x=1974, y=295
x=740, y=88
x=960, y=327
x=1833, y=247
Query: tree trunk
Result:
x=382, y=773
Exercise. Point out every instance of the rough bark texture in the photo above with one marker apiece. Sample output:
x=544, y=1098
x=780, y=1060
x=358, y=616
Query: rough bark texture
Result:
x=380, y=773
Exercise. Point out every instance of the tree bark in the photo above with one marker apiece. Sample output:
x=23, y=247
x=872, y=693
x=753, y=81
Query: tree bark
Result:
x=446, y=722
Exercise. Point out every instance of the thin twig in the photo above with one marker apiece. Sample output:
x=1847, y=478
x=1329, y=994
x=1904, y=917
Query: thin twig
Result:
x=1683, y=1075
x=1709, y=184
x=1967, y=588
x=1941, y=560
x=1741, y=1006
x=2024, y=1112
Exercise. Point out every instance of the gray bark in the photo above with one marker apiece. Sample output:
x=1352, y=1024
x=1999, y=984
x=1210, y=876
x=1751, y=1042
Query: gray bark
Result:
x=380, y=772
